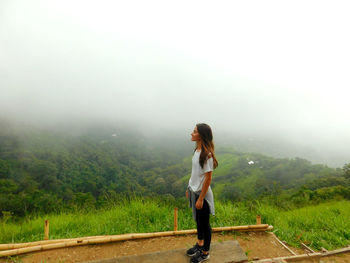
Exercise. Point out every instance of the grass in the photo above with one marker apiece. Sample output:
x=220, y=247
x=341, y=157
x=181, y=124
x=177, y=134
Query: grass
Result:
x=326, y=225
x=227, y=162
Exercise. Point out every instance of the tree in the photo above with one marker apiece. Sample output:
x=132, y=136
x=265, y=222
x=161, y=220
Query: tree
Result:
x=346, y=170
x=4, y=169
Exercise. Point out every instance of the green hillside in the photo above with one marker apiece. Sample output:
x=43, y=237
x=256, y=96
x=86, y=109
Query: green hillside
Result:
x=43, y=170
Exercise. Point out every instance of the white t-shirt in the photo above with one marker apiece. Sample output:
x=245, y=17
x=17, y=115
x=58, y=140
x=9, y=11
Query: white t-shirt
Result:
x=198, y=173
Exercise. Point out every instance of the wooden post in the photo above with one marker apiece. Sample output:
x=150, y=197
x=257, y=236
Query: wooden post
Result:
x=175, y=219
x=46, y=229
x=258, y=220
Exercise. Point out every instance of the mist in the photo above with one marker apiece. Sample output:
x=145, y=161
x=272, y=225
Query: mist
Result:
x=267, y=76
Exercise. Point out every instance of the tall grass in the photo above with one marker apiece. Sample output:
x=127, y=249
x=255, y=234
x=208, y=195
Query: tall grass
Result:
x=132, y=216
x=325, y=225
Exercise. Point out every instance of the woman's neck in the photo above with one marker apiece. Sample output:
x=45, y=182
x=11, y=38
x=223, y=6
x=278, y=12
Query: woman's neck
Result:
x=199, y=146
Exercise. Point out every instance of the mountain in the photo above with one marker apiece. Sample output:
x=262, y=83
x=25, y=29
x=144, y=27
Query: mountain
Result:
x=44, y=170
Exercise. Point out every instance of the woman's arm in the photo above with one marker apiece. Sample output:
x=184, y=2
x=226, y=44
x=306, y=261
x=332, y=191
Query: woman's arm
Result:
x=206, y=184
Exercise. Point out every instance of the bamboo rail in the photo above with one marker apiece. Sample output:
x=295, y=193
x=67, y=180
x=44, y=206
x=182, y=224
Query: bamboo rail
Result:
x=306, y=247
x=257, y=230
x=43, y=242
x=106, y=239
x=303, y=256
x=279, y=241
x=323, y=249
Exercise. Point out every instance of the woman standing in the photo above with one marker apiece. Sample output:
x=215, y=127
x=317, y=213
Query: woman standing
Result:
x=199, y=191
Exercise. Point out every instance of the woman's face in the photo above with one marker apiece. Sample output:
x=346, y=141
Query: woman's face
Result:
x=195, y=135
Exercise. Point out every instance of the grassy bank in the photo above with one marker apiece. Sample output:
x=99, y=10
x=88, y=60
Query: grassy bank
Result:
x=326, y=225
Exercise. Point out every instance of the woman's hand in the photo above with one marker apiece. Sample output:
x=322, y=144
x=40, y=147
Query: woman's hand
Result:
x=187, y=194
x=199, y=204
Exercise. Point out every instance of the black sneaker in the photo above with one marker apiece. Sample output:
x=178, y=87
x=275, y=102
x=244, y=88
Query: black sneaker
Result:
x=200, y=257
x=192, y=251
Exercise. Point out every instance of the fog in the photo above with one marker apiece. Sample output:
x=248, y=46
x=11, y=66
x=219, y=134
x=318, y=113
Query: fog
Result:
x=272, y=72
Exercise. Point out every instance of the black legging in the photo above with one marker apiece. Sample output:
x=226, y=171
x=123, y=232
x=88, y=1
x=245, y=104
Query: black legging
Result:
x=203, y=225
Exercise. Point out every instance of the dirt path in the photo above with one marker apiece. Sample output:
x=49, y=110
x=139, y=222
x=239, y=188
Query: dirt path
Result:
x=255, y=244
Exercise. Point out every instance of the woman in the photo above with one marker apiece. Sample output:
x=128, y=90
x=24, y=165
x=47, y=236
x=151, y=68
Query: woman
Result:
x=199, y=191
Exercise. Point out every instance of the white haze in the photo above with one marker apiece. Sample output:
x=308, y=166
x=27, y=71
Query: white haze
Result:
x=259, y=69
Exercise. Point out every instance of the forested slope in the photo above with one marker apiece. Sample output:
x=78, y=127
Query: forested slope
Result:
x=45, y=170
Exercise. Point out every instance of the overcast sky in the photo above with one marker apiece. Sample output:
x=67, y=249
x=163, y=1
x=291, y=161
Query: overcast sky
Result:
x=279, y=67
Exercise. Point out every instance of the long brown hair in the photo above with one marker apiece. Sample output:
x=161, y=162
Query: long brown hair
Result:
x=207, y=144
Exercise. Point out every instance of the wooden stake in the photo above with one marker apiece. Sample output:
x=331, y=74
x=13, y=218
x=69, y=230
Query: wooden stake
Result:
x=175, y=218
x=46, y=230
x=258, y=220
